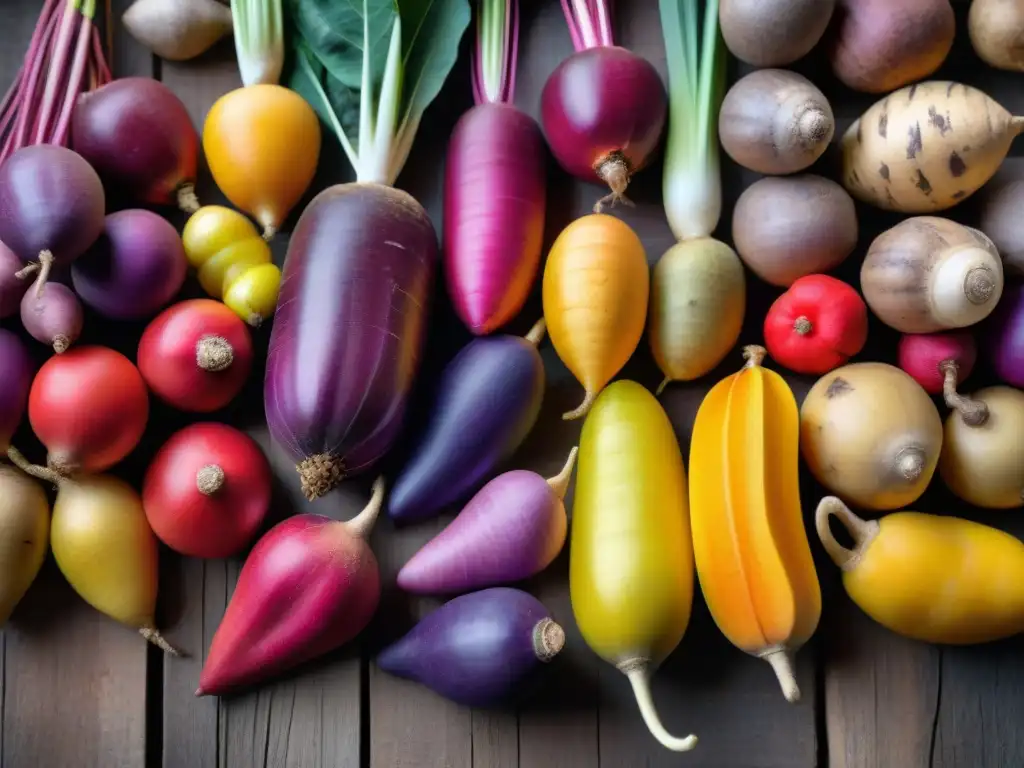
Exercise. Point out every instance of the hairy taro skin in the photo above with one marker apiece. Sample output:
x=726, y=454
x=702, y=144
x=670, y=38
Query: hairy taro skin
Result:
x=493, y=214
x=489, y=397
x=600, y=101
x=350, y=323
x=138, y=136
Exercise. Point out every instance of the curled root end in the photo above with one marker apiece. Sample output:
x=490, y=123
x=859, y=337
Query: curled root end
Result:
x=159, y=641
x=45, y=267
x=636, y=671
x=583, y=409
x=319, y=474
x=560, y=482
x=863, y=532
x=536, y=334
x=548, y=639
x=782, y=663
x=187, y=200
x=973, y=412
x=614, y=170
x=214, y=353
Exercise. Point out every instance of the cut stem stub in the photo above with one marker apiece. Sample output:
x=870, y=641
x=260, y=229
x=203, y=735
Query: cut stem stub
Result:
x=863, y=532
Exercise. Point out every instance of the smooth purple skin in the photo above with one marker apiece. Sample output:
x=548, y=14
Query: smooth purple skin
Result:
x=474, y=650
x=488, y=400
x=138, y=136
x=11, y=288
x=50, y=200
x=1008, y=336
x=513, y=528
x=494, y=199
x=16, y=373
x=135, y=268
x=350, y=324
x=602, y=100
x=55, y=318
x=307, y=587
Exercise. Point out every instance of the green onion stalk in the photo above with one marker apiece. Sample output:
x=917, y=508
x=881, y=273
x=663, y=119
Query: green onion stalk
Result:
x=698, y=289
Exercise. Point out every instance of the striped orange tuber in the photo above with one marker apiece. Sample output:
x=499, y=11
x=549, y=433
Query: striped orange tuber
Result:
x=751, y=549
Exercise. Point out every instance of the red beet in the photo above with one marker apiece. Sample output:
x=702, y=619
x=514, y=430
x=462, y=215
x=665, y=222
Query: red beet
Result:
x=939, y=362
x=309, y=585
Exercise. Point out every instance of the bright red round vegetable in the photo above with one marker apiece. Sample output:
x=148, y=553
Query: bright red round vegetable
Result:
x=207, y=491
x=922, y=355
x=816, y=325
x=89, y=407
x=196, y=355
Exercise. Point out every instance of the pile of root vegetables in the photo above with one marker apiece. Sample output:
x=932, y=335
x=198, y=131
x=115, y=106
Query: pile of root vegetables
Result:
x=88, y=195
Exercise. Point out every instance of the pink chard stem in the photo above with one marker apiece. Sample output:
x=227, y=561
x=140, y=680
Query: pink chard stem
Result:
x=77, y=78
x=58, y=65
x=36, y=62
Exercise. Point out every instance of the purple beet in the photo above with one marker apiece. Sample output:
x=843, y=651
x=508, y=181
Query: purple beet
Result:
x=12, y=284
x=16, y=372
x=513, y=528
x=135, y=268
x=477, y=649
x=1008, y=336
x=488, y=399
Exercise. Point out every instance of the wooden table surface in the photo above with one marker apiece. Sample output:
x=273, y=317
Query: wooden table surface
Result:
x=79, y=691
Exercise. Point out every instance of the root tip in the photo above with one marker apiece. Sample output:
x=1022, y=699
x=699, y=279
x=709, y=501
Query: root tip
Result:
x=583, y=409
x=782, y=663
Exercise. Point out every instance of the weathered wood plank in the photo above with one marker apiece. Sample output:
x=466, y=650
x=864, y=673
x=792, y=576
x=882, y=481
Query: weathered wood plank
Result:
x=310, y=717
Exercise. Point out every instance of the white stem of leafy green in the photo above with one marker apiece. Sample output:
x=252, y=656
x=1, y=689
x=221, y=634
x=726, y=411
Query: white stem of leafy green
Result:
x=303, y=58
x=492, y=47
x=259, y=40
x=375, y=165
x=692, y=184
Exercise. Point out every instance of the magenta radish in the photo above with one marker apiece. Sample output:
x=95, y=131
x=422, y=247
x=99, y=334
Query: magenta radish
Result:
x=140, y=139
x=513, y=528
x=309, y=585
x=939, y=362
x=134, y=269
x=16, y=372
x=51, y=207
x=478, y=649
x=13, y=283
x=55, y=318
x=494, y=191
x=603, y=108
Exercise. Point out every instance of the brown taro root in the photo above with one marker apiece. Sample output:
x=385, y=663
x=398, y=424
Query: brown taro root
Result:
x=773, y=33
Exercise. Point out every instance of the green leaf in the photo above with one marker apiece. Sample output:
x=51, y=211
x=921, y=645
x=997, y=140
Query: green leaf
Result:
x=431, y=32
x=335, y=31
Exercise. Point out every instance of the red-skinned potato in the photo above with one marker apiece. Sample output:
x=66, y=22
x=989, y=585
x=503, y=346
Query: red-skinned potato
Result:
x=817, y=325
x=196, y=355
x=89, y=407
x=207, y=491
x=881, y=45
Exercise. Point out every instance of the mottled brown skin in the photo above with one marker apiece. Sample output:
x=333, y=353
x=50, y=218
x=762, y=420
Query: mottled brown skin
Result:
x=896, y=275
x=926, y=147
x=789, y=226
x=881, y=45
x=996, y=28
x=773, y=33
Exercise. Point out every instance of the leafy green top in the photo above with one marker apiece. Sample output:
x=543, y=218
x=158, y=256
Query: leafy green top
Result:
x=371, y=67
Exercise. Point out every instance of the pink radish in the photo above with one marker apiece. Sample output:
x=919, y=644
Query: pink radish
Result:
x=603, y=108
x=494, y=185
x=53, y=317
x=309, y=585
x=939, y=362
